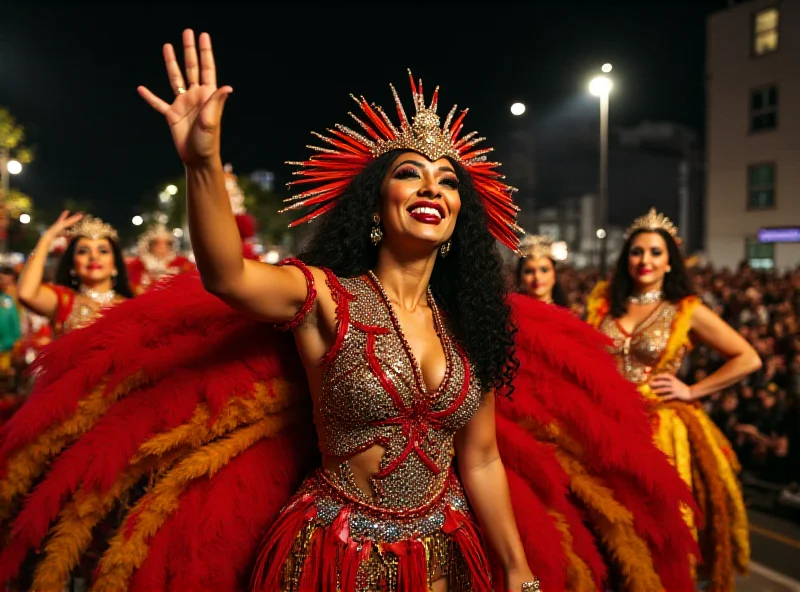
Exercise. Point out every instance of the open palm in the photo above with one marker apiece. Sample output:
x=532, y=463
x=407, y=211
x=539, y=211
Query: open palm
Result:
x=64, y=223
x=194, y=117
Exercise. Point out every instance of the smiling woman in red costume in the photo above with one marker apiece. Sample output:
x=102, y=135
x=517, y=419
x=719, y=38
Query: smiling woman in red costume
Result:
x=376, y=415
x=90, y=278
x=650, y=312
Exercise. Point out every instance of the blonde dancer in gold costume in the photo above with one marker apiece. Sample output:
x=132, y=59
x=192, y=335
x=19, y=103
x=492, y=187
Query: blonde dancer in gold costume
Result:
x=653, y=318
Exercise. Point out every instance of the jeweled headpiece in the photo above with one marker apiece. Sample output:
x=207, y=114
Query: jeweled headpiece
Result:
x=333, y=168
x=652, y=221
x=157, y=231
x=93, y=228
x=535, y=246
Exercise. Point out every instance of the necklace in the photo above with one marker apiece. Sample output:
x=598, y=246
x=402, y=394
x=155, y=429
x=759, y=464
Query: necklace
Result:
x=101, y=298
x=437, y=321
x=646, y=298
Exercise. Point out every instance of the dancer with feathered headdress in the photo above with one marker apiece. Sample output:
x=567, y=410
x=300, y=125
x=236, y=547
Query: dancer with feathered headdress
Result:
x=361, y=436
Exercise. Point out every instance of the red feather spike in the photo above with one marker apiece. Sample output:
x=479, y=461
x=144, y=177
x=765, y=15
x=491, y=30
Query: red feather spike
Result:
x=376, y=120
x=457, y=124
x=401, y=112
x=311, y=215
x=357, y=147
x=413, y=86
x=370, y=132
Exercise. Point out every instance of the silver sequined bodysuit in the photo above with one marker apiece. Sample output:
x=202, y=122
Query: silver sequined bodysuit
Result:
x=373, y=394
x=639, y=353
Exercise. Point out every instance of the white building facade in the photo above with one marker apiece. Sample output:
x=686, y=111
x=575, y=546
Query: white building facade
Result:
x=753, y=135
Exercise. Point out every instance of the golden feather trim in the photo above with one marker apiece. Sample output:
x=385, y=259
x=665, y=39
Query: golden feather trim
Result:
x=597, y=304
x=715, y=535
x=276, y=397
x=579, y=576
x=610, y=519
x=28, y=463
x=126, y=553
x=72, y=534
x=614, y=524
x=740, y=531
x=679, y=341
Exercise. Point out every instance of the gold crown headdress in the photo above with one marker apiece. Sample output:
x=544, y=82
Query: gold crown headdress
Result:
x=332, y=169
x=651, y=221
x=535, y=246
x=157, y=231
x=93, y=228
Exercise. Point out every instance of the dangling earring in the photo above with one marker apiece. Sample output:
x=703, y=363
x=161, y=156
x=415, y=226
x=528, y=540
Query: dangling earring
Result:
x=376, y=234
x=114, y=275
x=445, y=249
x=73, y=277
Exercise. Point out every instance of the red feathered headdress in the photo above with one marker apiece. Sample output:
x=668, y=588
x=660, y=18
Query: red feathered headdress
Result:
x=332, y=169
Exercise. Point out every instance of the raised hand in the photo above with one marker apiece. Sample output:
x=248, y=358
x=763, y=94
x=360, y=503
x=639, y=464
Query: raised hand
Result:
x=194, y=117
x=64, y=222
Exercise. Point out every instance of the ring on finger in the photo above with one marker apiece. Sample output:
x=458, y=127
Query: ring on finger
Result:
x=180, y=90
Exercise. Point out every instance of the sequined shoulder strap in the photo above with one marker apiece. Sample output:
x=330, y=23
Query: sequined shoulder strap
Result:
x=680, y=333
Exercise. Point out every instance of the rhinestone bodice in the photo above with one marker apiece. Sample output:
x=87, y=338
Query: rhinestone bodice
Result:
x=638, y=353
x=372, y=394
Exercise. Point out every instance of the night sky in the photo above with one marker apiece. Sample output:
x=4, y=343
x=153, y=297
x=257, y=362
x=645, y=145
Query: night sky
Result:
x=69, y=73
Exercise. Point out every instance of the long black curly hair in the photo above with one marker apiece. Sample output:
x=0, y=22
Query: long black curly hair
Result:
x=677, y=284
x=468, y=284
x=122, y=284
x=559, y=295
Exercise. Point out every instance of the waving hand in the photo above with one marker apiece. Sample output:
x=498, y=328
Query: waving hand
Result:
x=195, y=115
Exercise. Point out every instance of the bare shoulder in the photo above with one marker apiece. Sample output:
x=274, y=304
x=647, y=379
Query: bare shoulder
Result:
x=704, y=317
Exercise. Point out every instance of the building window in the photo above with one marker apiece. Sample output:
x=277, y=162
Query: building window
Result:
x=761, y=187
x=765, y=31
x=764, y=109
x=760, y=255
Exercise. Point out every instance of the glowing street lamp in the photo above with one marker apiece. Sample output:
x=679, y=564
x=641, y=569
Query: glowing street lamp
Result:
x=137, y=221
x=517, y=109
x=14, y=167
x=600, y=86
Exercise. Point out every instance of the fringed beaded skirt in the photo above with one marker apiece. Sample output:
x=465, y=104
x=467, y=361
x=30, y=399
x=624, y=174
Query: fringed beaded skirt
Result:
x=326, y=541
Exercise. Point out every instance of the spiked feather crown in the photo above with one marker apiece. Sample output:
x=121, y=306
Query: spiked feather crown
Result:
x=332, y=168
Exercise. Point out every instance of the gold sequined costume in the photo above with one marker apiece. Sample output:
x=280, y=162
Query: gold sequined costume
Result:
x=415, y=522
x=76, y=310
x=698, y=450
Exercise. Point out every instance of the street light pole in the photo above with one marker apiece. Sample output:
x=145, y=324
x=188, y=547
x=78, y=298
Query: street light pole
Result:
x=600, y=86
x=603, y=184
